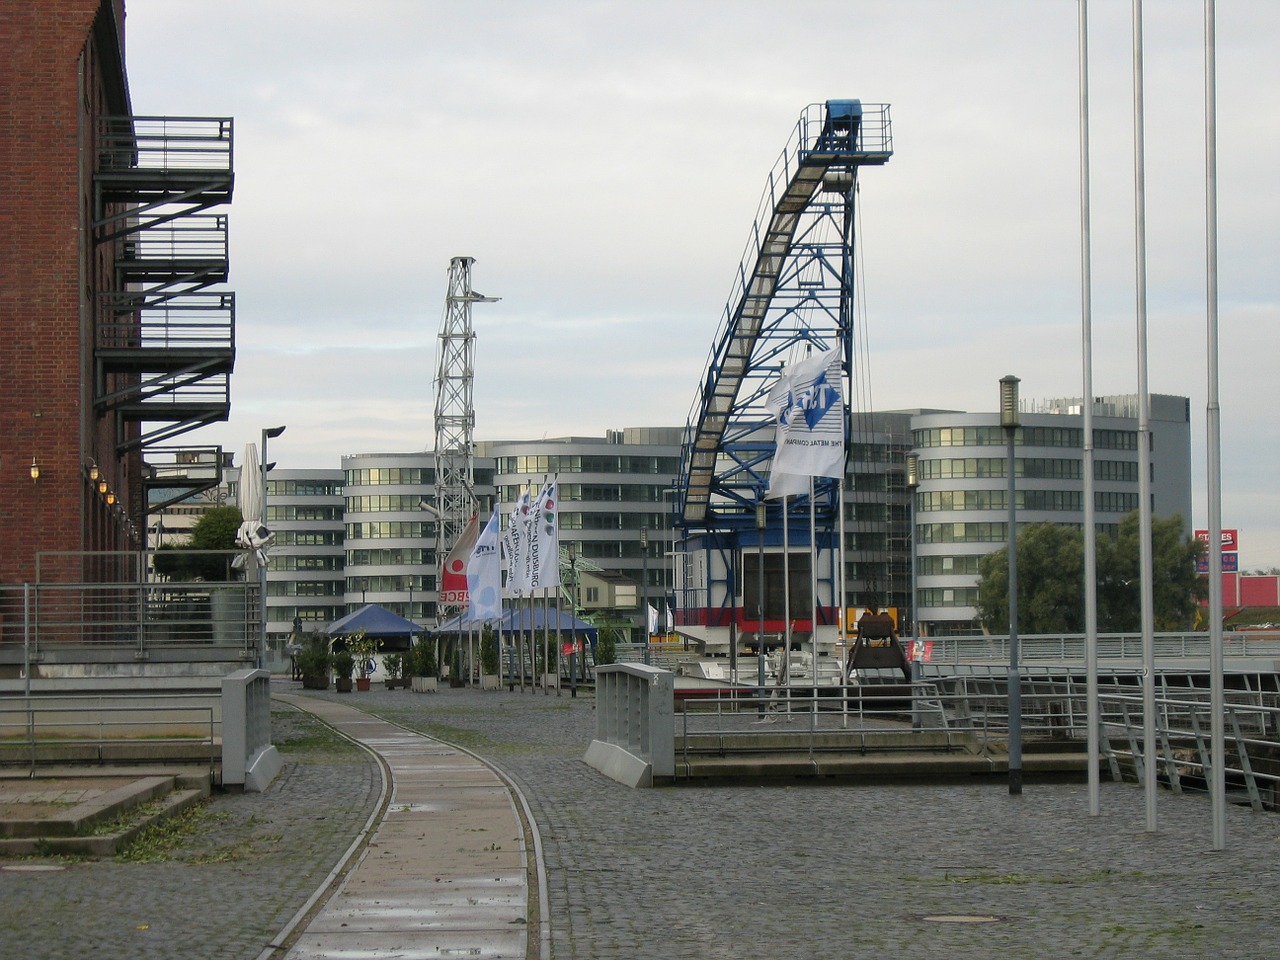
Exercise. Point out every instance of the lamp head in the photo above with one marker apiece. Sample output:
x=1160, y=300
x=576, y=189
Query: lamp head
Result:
x=1009, y=402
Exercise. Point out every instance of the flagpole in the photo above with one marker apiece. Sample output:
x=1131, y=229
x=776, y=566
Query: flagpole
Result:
x=813, y=591
x=786, y=597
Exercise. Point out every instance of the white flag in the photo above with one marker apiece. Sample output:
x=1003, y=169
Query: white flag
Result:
x=653, y=619
x=484, y=574
x=808, y=401
x=517, y=543
x=544, y=539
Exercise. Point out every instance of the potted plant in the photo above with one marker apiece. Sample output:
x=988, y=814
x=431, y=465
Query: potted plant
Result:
x=362, y=648
x=421, y=666
x=489, y=660
x=393, y=663
x=313, y=663
x=343, y=666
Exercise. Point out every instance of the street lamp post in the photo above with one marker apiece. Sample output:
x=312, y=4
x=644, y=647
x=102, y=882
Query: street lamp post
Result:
x=644, y=588
x=268, y=433
x=572, y=549
x=913, y=482
x=1009, y=421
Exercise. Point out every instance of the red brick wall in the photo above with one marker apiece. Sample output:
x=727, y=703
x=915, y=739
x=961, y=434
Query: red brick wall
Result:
x=51, y=83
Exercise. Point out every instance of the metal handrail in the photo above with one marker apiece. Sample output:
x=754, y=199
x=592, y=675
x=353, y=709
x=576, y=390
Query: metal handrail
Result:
x=69, y=721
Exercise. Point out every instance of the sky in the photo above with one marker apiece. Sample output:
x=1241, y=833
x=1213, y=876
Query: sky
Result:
x=603, y=161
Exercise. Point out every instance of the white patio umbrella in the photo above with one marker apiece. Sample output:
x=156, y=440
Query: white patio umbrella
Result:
x=253, y=534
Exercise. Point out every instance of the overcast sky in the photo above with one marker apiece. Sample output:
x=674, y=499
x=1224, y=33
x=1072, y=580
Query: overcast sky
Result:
x=603, y=162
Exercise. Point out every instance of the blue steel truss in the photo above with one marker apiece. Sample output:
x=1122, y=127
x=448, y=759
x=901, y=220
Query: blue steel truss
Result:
x=793, y=292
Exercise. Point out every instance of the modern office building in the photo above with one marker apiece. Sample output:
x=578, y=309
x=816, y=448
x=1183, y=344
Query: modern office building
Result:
x=615, y=510
x=306, y=584
x=962, y=500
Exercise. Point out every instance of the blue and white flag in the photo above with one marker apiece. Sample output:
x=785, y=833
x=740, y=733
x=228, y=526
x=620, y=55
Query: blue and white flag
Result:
x=484, y=574
x=808, y=402
x=544, y=539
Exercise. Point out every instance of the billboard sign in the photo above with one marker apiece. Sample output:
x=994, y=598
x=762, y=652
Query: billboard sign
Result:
x=1230, y=539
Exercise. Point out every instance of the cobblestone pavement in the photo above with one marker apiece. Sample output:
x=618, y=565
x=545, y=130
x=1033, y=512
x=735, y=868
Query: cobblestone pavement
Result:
x=244, y=865
x=950, y=871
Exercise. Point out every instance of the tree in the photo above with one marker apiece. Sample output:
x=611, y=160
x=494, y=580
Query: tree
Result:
x=216, y=530
x=1051, y=579
x=1050, y=574
x=1177, y=588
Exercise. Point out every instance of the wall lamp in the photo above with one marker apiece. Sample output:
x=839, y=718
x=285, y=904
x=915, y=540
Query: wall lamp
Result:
x=111, y=499
x=35, y=469
x=93, y=471
x=102, y=486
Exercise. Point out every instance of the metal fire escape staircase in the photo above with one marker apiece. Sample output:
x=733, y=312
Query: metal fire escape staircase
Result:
x=164, y=345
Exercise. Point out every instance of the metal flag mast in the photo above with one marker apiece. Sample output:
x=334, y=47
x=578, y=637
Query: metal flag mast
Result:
x=455, y=418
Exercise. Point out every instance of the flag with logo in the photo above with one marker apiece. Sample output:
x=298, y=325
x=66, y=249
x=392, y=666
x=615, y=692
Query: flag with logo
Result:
x=453, y=572
x=808, y=402
x=544, y=539
x=516, y=540
x=484, y=573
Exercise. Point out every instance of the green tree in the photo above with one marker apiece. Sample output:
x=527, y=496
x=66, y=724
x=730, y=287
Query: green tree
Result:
x=1051, y=579
x=607, y=644
x=216, y=530
x=1177, y=588
x=1050, y=575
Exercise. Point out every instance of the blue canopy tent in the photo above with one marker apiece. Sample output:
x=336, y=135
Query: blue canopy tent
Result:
x=513, y=620
x=378, y=622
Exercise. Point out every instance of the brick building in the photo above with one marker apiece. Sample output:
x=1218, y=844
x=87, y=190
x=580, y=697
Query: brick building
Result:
x=116, y=336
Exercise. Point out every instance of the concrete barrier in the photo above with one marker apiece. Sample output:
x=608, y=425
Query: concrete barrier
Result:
x=635, y=724
x=249, y=760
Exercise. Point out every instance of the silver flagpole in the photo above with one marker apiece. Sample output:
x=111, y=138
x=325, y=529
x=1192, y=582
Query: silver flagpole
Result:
x=1144, y=435
x=813, y=592
x=1092, y=711
x=785, y=671
x=1213, y=439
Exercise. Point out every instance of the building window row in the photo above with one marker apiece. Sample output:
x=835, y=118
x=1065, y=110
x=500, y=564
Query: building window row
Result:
x=304, y=588
x=962, y=532
x=1059, y=500
x=1106, y=502
x=304, y=488
x=310, y=615
x=379, y=476
x=318, y=513
x=388, y=503
x=992, y=436
x=964, y=565
x=1120, y=470
x=388, y=556
x=296, y=562
x=546, y=464
x=947, y=597
x=309, y=538
x=1115, y=439
x=391, y=529
x=390, y=584
x=611, y=521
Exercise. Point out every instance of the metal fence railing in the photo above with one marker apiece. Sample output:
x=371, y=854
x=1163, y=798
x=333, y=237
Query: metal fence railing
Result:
x=44, y=620
x=78, y=728
x=971, y=713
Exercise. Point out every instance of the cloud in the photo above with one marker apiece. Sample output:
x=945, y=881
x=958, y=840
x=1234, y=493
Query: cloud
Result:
x=603, y=163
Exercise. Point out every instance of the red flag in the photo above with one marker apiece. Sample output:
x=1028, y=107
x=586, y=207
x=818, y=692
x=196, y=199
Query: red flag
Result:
x=453, y=572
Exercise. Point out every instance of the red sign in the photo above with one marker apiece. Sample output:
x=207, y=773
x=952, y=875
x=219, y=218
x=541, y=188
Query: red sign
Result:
x=1230, y=538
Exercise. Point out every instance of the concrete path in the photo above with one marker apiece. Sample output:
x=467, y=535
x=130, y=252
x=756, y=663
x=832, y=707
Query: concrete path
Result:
x=446, y=872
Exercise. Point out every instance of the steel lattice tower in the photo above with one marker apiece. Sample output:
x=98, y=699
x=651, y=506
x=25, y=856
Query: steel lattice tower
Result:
x=455, y=416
